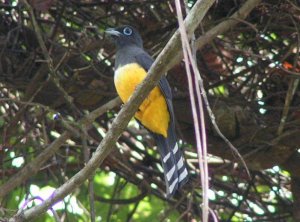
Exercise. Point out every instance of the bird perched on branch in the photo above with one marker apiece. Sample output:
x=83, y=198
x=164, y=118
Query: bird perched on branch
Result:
x=156, y=112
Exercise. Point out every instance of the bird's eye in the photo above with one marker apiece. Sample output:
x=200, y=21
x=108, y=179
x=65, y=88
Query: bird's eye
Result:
x=127, y=31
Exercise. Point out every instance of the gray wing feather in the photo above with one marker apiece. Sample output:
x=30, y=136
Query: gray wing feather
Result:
x=167, y=146
x=145, y=60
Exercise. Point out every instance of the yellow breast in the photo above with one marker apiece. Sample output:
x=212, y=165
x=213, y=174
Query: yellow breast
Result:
x=153, y=112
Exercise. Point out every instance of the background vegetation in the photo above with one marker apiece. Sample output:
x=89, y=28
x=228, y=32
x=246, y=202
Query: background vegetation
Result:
x=56, y=66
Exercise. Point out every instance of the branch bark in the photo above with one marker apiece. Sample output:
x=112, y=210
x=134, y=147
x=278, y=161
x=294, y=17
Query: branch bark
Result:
x=223, y=27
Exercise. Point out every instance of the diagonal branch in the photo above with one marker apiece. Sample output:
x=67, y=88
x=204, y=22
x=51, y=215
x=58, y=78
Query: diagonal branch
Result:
x=226, y=25
x=221, y=28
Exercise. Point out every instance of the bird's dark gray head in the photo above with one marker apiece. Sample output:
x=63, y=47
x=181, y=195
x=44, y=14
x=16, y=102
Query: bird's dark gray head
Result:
x=124, y=36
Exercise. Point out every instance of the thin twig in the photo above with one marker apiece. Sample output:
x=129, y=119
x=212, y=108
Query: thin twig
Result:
x=131, y=213
x=131, y=200
x=111, y=205
x=87, y=152
x=293, y=85
x=53, y=73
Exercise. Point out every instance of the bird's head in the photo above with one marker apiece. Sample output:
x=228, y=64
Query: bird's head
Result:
x=124, y=36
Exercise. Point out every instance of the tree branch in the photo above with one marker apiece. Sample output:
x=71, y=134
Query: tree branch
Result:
x=223, y=27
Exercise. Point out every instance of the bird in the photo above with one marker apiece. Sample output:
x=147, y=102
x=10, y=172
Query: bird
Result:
x=156, y=112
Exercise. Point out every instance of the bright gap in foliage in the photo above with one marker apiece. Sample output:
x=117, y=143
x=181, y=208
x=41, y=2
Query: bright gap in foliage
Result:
x=44, y=193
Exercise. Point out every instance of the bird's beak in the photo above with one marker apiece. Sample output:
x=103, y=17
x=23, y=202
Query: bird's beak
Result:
x=112, y=32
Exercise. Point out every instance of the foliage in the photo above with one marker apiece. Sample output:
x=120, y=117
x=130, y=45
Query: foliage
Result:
x=251, y=73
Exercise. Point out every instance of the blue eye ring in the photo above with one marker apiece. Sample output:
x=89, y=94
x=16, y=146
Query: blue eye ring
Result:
x=127, y=31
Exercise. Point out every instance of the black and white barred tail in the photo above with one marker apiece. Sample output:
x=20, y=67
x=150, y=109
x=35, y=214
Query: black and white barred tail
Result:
x=175, y=171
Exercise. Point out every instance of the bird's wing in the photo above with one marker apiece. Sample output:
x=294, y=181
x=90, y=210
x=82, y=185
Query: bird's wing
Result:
x=145, y=60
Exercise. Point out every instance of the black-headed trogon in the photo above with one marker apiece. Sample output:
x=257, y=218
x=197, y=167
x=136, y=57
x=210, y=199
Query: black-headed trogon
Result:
x=156, y=112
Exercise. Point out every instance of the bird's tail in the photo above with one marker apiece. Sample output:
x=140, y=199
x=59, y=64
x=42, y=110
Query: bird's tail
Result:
x=175, y=171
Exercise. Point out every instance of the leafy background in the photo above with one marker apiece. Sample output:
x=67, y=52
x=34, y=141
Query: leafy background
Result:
x=251, y=73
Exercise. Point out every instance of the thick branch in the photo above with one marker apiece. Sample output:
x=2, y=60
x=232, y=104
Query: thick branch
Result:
x=221, y=28
x=225, y=26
